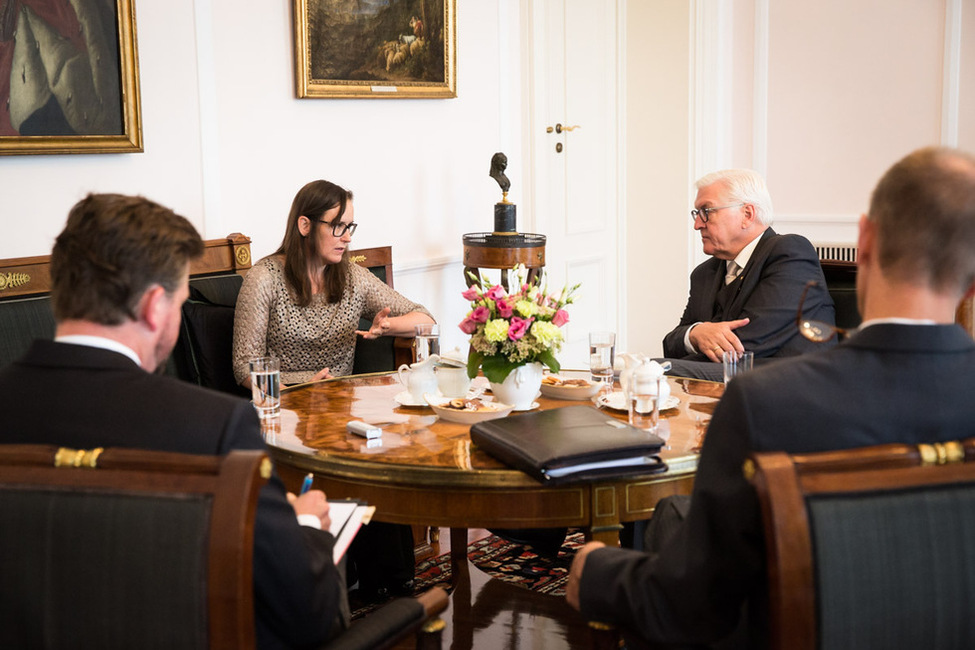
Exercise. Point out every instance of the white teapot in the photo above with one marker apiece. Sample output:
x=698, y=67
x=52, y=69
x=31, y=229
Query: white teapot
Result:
x=644, y=372
x=419, y=378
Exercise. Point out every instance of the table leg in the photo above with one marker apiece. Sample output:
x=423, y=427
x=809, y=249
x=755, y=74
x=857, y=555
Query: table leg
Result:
x=458, y=555
x=606, y=524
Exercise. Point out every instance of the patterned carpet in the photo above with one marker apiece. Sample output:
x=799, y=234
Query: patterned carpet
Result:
x=504, y=560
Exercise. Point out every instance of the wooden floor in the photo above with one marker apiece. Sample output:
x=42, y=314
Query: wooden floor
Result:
x=487, y=614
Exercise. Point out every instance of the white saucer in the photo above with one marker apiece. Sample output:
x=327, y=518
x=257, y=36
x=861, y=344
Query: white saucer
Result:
x=405, y=399
x=530, y=408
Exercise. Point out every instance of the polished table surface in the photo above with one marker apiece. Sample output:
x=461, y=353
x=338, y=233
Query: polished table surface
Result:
x=425, y=471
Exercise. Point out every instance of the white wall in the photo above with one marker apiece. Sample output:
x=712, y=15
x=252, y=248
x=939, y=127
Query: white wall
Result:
x=829, y=94
x=823, y=96
x=658, y=233
x=227, y=144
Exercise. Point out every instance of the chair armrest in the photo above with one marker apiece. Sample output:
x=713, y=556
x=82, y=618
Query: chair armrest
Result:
x=394, y=621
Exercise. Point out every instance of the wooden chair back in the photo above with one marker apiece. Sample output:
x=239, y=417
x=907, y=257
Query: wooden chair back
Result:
x=21, y=277
x=871, y=547
x=127, y=548
x=379, y=261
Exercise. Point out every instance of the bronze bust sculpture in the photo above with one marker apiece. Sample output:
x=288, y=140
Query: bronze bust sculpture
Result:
x=499, y=162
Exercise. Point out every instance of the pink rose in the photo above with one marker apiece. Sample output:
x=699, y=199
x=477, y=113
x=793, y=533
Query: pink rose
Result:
x=518, y=327
x=480, y=314
x=496, y=292
x=561, y=318
x=470, y=294
x=504, y=308
x=468, y=326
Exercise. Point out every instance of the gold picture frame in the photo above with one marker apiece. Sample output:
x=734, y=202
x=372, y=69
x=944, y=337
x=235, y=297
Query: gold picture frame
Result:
x=95, y=105
x=383, y=49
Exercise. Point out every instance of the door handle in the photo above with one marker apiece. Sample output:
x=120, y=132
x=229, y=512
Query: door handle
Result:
x=559, y=128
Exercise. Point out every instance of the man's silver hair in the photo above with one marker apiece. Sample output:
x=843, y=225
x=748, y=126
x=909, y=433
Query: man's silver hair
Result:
x=744, y=186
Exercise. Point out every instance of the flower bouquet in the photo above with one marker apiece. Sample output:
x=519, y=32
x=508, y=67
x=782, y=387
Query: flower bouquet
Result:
x=509, y=330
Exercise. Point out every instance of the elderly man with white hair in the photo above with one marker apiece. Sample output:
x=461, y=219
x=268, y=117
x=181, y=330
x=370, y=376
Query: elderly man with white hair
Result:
x=745, y=296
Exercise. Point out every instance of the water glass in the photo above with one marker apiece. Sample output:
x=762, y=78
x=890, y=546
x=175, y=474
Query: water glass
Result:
x=736, y=363
x=426, y=341
x=643, y=404
x=602, y=354
x=266, y=386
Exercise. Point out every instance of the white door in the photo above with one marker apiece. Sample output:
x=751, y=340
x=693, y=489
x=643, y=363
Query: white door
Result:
x=574, y=96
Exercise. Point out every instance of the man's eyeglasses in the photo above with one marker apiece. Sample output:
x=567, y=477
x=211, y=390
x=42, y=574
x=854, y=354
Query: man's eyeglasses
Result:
x=705, y=213
x=815, y=330
x=339, y=228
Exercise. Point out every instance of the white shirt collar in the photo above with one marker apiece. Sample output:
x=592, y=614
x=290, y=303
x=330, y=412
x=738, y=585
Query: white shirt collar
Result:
x=100, y=342
x=746, y=253
x=896, y=321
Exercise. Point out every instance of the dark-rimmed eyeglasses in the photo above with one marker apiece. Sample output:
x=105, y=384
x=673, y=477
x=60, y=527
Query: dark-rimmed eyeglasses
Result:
x=339, y=228
x=816, y=330
x=705, y=213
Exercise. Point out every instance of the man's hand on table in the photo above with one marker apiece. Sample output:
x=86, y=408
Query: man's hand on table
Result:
x=313, y=503
x=575, y=572
x=714, y=339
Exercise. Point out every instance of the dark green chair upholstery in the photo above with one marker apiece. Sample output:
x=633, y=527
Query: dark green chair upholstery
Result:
x=127, y=548
x=870, y=548
x=21, y=321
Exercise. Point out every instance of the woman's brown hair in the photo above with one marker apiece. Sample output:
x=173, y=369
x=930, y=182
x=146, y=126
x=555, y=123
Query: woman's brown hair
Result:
x=312, y=201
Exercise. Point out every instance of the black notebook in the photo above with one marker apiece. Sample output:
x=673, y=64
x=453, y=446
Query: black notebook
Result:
x=573, y=443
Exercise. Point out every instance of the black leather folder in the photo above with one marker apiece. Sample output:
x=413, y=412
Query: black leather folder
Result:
x=570, y=444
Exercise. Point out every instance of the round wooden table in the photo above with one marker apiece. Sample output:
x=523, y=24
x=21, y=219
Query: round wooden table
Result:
x=424, y=471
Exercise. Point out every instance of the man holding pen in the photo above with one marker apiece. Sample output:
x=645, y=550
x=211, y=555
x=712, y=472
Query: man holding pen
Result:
x=119, y=277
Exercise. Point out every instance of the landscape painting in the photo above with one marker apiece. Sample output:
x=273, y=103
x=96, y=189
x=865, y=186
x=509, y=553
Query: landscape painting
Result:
x=375, y=48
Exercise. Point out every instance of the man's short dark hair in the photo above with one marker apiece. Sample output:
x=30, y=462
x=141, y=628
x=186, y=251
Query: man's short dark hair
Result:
x=924, y=207
x=112, y=249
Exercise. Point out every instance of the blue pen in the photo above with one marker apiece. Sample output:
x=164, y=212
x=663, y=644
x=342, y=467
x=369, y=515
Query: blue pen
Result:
x=306, y=485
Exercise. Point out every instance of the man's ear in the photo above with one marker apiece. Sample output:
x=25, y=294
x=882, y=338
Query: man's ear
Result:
x=304, y=225
x=154, y=307
x=749, y=216
x=866, y=239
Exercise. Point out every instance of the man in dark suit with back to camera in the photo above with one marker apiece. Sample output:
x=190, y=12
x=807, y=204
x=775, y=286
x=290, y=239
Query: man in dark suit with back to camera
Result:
x=744, y=297
x=906, y=375
x=119, y=274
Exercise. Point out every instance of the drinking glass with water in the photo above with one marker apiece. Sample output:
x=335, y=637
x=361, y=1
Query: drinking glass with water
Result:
x=602, y=355
x=427, y=341
x=266, y=386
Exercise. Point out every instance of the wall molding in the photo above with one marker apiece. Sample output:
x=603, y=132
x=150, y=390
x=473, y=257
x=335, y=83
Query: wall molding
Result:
x=429, y=265
x=951, y=83
x=818, y=218
x=760, y=89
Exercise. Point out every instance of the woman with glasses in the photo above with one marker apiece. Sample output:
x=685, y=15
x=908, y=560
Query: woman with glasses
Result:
x=302, y=304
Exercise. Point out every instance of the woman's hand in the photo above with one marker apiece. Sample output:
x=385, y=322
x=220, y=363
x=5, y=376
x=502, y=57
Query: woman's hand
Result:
x=380, y=325
x=322, y=374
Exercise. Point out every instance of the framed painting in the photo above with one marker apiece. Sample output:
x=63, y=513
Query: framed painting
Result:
x=69, y=77
x=375, y=48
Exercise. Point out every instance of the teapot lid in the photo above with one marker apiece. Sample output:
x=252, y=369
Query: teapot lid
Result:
x=453, y=358
x=650, y=369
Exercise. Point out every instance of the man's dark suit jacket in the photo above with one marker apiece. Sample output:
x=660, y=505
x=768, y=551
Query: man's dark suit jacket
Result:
x=767, y=291
x=887, y=383
x=82, y=397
